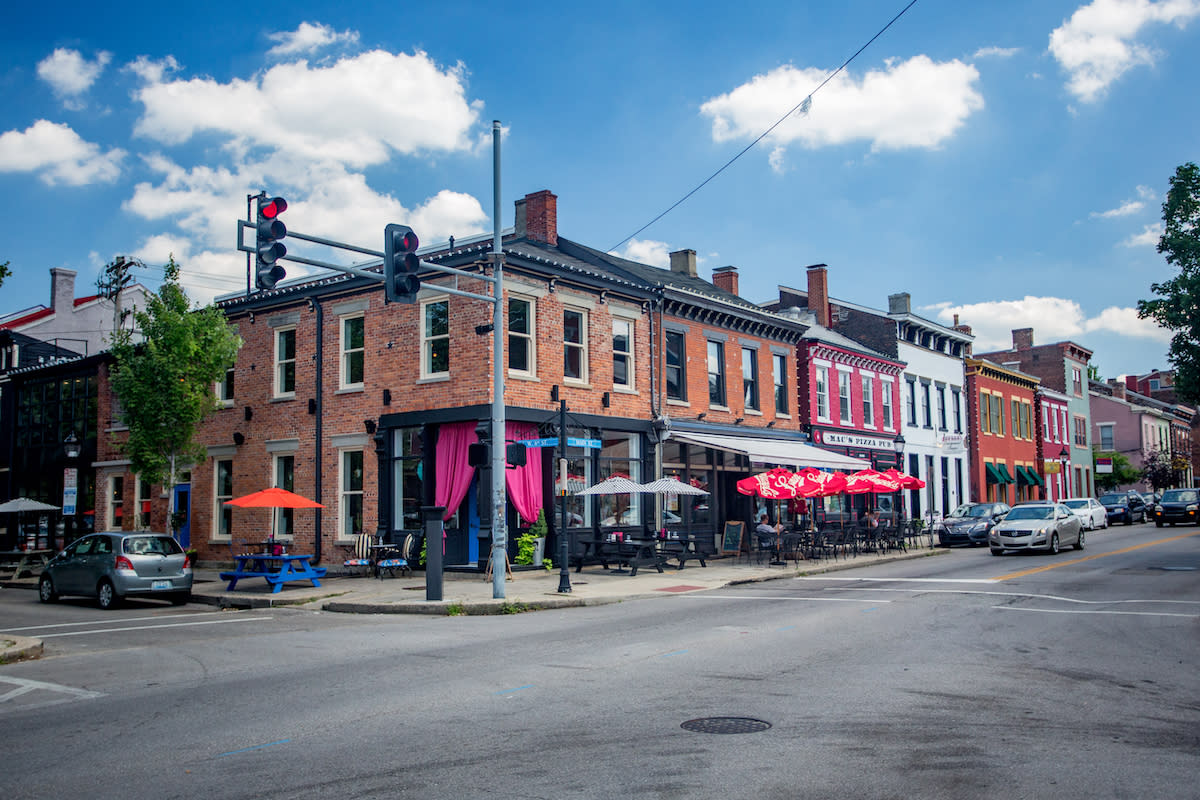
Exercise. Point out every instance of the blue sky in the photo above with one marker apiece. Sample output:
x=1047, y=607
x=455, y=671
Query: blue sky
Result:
x=1003, y=161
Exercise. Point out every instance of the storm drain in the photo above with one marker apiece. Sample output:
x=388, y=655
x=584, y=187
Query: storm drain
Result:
x=725, y=725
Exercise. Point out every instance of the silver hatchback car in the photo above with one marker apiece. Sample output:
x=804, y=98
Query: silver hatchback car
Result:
x=117, y=564
x=1037, y=526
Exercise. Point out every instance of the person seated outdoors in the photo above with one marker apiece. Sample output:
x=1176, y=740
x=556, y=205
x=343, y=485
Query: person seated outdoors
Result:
x=768, y=534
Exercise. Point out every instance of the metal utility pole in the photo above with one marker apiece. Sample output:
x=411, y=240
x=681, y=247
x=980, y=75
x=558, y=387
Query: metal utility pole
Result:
x=499, y=490
x=564, y=573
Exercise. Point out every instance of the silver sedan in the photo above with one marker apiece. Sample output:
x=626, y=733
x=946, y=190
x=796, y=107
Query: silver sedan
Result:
x=1036, y=526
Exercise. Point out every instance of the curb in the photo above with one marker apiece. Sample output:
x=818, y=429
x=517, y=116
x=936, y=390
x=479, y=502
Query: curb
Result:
x=19, y=648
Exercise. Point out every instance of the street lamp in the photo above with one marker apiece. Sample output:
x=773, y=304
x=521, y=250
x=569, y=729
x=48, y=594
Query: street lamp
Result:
x=1063, y=456
x=71, y=445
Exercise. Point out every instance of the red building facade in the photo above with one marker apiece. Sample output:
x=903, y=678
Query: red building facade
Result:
x=1005, y=452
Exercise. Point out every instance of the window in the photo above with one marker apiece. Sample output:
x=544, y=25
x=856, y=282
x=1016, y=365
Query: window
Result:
x=353, y=352
x=926, y=406
x=985, y=412
x=1077, y=380
x=1016, y=418
x=1106, y=437
x=224, y=390
x=844, y=397
x=868, y=401
x=1080, y=431
x=520, y=336
x=750, y=379
x=116, y=501
x=285, y=362
x=620, y=454
x=1027, y=420
x=956, y=399
x=676, y=366
x=408, y=448
x=998, y=415
x=284, y=478
x=350, y=494
x=435, y=339
x=779, y=375
x=575, y=346
x=886, y=405
x=716, y=374
x=941, y=407
x=222, y=492
x=143, y=504
x=1155, y=384
x=622, y=353
x=823, y=393
x=912, y=401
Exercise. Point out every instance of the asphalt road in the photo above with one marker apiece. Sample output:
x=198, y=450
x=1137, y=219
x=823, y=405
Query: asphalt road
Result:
x=958, y=676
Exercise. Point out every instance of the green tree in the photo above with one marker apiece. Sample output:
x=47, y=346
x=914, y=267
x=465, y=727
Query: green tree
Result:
x=1159, y=469
x=4, y=272
x=166, y=381
x=1175, y=308
x=1123, y=473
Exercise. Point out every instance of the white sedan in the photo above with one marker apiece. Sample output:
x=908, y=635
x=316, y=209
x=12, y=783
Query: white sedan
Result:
x=1091, y=512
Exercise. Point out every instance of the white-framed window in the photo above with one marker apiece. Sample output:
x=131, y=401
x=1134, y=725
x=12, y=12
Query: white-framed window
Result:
x=283, y=476
x=885, y=404
x=941, y=407
x=868, y=401
x=353, y=351
x=222, y=491
x=926, y=405
x=522, y=328
x=1106, y=437
x=143, y=500
x=224, y=389
x=823, y=393
x=116, y=502
x=285, y=362
x=779, y=377
x=350, y=494
x=956, y=399
x=750, y=379
x=435, y=338
x=575, y=341
x=912, y=401
x=844, y=397
x=622, y=353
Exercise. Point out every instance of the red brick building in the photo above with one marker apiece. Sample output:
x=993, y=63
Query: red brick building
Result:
x=1006, y=451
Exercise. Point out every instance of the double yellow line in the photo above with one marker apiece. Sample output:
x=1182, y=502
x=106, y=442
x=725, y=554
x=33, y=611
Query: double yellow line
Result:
x=1058, y=564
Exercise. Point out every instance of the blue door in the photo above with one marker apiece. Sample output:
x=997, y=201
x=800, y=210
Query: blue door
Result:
x=183, y=503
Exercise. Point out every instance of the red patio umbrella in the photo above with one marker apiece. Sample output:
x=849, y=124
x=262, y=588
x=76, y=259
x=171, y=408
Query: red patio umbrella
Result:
x=870, y=481
x=906, y=481
x=273, y=498
x=777, y=483
x=822, y=484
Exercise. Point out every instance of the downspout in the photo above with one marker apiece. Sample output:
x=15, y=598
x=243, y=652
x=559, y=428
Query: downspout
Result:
x=319, y=429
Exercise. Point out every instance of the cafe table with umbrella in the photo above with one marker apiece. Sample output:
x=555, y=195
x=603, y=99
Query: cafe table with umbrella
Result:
x=612, y=485
x=21, y=505
x=273, y=498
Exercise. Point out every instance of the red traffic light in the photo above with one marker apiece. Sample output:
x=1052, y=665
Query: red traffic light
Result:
x=271, y=207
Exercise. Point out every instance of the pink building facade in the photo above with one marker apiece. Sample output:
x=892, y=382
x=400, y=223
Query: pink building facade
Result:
x=1056, y=443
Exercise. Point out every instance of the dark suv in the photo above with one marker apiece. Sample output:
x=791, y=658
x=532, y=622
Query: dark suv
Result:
x=969, y=523
x=1127, y=507
x=1177, y=505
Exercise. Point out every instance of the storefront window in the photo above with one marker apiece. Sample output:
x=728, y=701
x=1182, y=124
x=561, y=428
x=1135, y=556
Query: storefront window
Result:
x=620, y=455
x=407, y=452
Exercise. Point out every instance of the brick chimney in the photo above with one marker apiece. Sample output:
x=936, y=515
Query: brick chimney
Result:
x=1022, y=338
x=964, y=329
x=62, y=289
x=684, y=262
x=537, y=217
x=726, y=278
x=1118, y=388
x=818, y=293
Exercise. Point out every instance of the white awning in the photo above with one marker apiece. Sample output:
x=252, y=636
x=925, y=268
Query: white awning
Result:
x=773, y=451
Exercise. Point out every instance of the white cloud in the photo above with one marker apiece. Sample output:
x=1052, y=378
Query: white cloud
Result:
x=996, y=52
x=58, y=155
x=1147, y=193
x=1148, y=237
x=309, y=38
x=152, y=70
x=70, y=74
x=916, y=103
x=1123, y=210
x=1098, y=44
x=357, y=111
x=646, y=251
x=1052, y=319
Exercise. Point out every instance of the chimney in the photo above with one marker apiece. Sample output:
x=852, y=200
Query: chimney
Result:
x=818, y=293
x=62, y=289
x=1022, y=338
x=726, y=279
x=900, y=303
x=1118, y=388
x=537, y=217
x=684, y=262
x=967, y=347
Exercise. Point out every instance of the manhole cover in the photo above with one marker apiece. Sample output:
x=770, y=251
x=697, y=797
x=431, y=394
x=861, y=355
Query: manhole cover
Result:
x=725, y=725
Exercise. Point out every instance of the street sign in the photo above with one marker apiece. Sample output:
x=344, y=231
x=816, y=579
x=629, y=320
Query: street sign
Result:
x=548, y=442
x=593, y=444
x=70, y=490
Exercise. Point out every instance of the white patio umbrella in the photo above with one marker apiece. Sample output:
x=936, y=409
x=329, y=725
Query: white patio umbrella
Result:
x=613, y=485
x=17, y=505
x=671, y=485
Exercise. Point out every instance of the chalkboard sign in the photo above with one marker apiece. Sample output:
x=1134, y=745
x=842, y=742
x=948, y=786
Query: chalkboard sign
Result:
x=732, y=541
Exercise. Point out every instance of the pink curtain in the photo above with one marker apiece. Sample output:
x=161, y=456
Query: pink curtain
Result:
x=454, y=472
x=525, y=483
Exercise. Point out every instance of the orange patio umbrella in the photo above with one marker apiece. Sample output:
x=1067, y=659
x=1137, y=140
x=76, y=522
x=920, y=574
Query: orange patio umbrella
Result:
x=273, y=498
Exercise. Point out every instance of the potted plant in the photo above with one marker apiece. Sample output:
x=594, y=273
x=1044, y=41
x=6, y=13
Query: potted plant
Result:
x=531, y=544
x=192, y=555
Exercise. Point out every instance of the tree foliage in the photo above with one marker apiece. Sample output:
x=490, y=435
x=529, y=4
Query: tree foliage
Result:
x=1159, y=469
x=1123, y=474
x=1178, y=305
x=4, y=272
x=165, y=383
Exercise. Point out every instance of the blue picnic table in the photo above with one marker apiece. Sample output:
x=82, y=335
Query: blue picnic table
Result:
x=276, y=569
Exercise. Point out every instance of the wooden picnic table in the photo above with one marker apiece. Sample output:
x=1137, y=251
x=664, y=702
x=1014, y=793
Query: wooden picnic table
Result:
x=22, y=561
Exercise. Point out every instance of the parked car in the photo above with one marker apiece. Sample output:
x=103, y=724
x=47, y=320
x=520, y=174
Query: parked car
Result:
x=1127, y=507
x=1089, y=510
x=1151, y=499
x=1177, y=505
x=1037, y=526
x=969, y=523
x=116, y=564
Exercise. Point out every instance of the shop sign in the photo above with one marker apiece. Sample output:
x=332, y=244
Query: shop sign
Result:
x=954, y=441
x=838, y=439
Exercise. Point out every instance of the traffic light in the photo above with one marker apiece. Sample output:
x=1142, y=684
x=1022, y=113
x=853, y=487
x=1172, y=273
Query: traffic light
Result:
x=269, y=249
x=400, y=264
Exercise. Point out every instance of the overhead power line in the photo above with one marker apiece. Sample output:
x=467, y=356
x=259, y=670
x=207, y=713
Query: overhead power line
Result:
x=802, y=106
